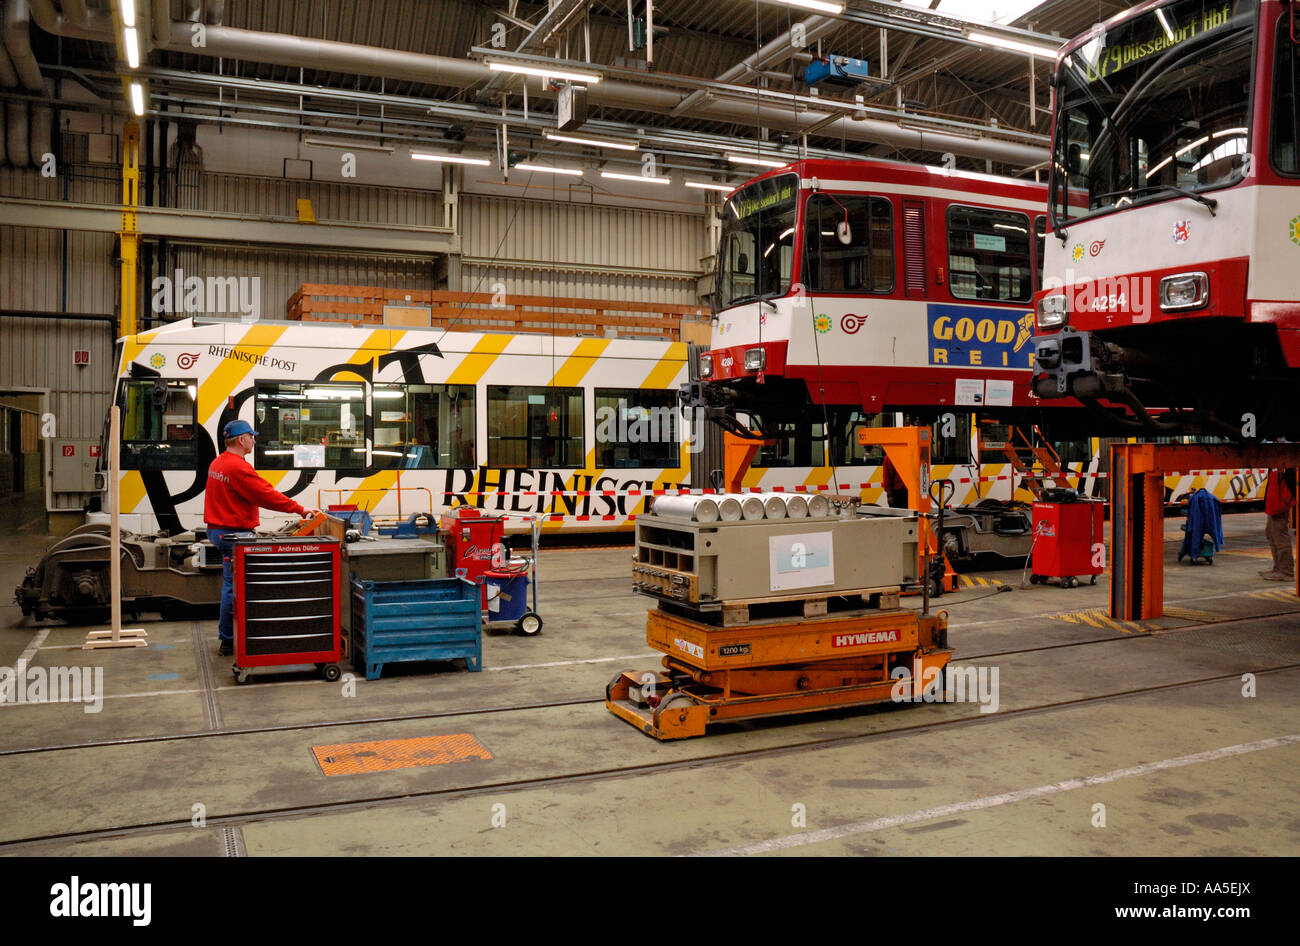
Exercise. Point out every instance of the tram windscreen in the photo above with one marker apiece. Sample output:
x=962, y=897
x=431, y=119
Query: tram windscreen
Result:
x=756, y=254
x=1159, y=104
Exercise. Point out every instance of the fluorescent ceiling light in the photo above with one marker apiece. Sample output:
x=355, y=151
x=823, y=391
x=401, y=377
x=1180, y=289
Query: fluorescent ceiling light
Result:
x=634, y=177
x=758, y=162
x=548, y=72
x=1230, y=131
x=704, y=186
x=450, y=158
x=819, y=5
x=137, y=98
x=128, y=12
x=595, y=142
x=990, y=39
x=347, y=145
x=547, y=169
x=1160, y=15
x=132, y=47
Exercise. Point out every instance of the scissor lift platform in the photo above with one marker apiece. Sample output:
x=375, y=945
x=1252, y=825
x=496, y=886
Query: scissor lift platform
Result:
x=774, y=668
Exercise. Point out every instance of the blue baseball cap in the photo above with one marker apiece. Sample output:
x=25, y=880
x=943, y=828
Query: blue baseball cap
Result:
x=237, y=427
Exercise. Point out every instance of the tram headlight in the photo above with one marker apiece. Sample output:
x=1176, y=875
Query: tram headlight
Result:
x=1053, y=310
x=706, y=366
x=755, y=359
x=1184, y=291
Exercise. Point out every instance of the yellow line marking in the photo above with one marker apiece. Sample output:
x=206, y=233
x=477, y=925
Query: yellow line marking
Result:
x=670, y=365
x=474, y=365
x=583, y=359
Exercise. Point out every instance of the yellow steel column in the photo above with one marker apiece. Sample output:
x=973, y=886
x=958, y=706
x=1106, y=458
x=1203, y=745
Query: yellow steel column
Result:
x=129, y=236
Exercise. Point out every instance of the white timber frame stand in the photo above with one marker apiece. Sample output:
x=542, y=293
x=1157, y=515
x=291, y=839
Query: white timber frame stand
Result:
x=116, y=635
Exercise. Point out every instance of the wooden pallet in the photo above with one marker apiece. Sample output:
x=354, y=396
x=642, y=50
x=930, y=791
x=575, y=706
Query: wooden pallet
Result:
x=741, y=611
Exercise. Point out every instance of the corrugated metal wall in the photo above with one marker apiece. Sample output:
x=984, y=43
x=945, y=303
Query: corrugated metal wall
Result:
x=33, y=271
x=282, y=271
x=532, y=247
x=38, y=354
x=540, y=248
x=230, y=193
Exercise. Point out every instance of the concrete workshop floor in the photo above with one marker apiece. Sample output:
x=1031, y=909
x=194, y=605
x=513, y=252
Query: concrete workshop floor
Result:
x=1148, y=721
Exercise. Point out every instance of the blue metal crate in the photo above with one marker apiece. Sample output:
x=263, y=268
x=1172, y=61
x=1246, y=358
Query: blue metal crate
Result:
x=433, y=619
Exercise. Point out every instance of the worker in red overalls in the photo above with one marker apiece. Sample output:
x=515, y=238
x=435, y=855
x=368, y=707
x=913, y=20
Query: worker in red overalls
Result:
x=234, y=494
x=1279, y=498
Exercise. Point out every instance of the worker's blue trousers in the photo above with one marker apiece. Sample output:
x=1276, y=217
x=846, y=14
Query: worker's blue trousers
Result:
x=226, y=623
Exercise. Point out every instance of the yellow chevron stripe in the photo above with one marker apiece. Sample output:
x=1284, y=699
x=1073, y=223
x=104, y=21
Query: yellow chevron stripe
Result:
x=222, y=381
x=132, y=347
x=670, y=365
x=273, y=476
x=819, y=476
x=130, y=490
x=372, y=489
x=576, y=366
x=474, y=365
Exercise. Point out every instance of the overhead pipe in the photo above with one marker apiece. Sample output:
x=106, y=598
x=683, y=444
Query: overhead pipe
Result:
x=18, y=41
x=98, y=26
x=76, y=11
x=814, y=27
x=8, y=78
x=281, y=49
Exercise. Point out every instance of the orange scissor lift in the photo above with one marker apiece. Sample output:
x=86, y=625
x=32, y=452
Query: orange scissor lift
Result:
x=714, y=673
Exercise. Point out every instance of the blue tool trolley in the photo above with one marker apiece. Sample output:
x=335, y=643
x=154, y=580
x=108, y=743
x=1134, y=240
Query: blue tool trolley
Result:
x=433, y=619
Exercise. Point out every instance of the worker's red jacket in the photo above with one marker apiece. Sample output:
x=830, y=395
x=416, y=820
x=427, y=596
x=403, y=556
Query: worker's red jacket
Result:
x=235, y=492
x=1278, y=499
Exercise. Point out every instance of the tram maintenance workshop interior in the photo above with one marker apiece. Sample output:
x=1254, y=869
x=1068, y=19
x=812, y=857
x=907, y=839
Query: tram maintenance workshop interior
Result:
x=688, y=392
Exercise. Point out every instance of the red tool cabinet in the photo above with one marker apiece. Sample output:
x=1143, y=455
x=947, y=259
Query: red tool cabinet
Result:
x=287, y=603
x=1065, y=539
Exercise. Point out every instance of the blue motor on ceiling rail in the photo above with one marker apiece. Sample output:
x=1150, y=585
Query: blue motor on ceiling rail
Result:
x=840, y=71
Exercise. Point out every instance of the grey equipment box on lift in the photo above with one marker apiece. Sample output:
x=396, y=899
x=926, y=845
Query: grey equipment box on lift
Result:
x=702, y=565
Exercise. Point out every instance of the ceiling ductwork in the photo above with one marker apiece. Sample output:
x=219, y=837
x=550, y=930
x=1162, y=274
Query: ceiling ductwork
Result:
x=285, y=50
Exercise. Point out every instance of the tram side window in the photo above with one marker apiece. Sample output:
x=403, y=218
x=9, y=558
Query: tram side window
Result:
x=535, y=427
x=312, y=425
x=1040, y=239
x=866, y=262
x=798, y=443
x=423, y=426
x=1286, y=102
x=845, y=449
x=949, y=435
x=636, y=428
x=158, y=424
x=988, y=255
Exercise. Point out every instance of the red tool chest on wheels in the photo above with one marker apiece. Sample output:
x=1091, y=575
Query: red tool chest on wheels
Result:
x=287, y=604
x=1066, y=536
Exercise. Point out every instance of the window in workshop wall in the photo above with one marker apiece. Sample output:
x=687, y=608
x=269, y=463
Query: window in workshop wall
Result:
x=158, y=424
x=312, y=425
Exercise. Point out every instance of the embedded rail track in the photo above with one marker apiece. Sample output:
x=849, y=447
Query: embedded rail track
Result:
x=362, y=801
